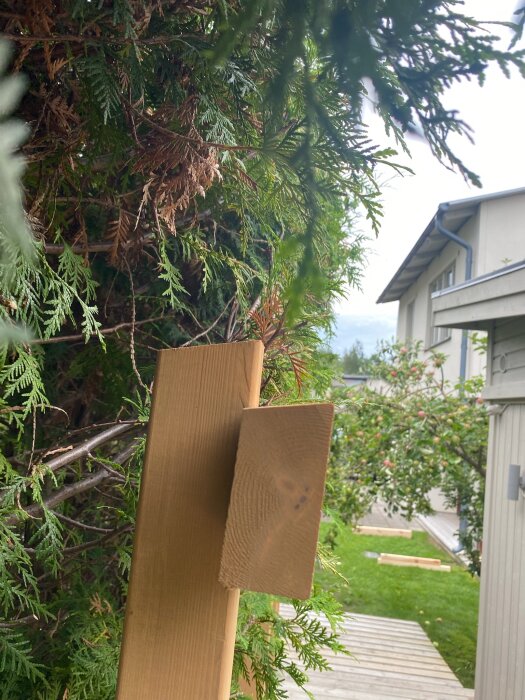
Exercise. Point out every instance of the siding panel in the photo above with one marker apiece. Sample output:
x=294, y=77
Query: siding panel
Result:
x=508, y=352
x=501, y=642
x=519, y=679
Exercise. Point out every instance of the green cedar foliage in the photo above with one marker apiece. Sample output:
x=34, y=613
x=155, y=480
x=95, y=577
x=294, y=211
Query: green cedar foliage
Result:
x=185, y=183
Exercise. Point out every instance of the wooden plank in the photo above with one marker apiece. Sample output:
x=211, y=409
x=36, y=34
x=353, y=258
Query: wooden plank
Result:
x=409, y=559
x=180, y=622
x=382, y=531
x=417, y=565
x=374, y=656
x=277, y=495
x=380, y=667
x=371, y=691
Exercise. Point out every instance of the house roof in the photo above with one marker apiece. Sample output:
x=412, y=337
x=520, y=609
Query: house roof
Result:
x=431, y=242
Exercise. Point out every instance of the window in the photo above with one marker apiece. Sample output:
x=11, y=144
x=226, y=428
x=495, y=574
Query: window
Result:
x=442, y=281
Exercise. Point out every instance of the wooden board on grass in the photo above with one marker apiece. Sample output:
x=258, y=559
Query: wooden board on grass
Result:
x=179, y=630
x=383, y=531
x=418, y=562
x=277, y=495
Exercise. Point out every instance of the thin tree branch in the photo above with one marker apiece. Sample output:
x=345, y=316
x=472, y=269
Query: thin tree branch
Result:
x=132, y=329
x=82, y=526
x=28, y=619
x=89, y=445
x=36, y=510
x=114, y=473
x=96, y=426
x=71, y=490
x=210, y=328
x=95, y=543
x=89, y=545
x=101, y=247
x=107, y=246
x=103, y=331
x=232, y=320
x=78, y=39
x=191, y=139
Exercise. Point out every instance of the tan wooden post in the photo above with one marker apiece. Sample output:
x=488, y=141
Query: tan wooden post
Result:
x=179, y=629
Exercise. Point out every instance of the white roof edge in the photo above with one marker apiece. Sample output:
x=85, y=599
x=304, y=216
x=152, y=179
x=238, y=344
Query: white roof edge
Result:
x=451, y=205
x=458, y=203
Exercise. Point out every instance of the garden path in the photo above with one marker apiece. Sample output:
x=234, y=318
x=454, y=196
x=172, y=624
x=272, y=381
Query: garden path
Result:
x=391, y=659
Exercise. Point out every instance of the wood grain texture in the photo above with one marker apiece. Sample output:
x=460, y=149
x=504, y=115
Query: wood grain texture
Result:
x=409, y=559
x=277, y=495
x=180, y=622
x=418, y=562
x=383, y=531
x=389, y=660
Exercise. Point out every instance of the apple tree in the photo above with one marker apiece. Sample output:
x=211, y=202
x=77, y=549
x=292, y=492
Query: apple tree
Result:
x=406, y=433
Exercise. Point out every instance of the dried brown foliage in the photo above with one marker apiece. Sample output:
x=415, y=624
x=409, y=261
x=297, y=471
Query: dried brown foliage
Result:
x=269, y=326
x=165, y=160
x=177, y=164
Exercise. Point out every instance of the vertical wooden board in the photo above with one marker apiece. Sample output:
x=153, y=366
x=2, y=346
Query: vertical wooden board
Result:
x=277, y=495
x=179, y=629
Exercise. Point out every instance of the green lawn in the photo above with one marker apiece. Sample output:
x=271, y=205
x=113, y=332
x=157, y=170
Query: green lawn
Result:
x=445, y=604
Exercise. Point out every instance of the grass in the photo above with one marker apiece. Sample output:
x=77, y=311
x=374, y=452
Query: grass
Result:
x=445, y=604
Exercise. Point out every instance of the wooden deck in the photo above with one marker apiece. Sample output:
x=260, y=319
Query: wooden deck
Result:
x=390, y=659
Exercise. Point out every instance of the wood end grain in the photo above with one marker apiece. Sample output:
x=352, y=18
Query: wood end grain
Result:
x=276, y=500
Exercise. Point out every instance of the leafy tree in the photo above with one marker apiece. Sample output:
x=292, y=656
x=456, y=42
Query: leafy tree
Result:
x=354, y=360
x=409, y=432
x=192, y=166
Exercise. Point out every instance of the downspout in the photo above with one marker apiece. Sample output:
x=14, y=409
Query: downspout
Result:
x=442, y=209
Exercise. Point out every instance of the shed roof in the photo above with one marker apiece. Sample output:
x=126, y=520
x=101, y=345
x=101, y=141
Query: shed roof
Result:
x=431, y=242
x=475, y=304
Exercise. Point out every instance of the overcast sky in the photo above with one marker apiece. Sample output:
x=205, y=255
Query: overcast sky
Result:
x=497, y=114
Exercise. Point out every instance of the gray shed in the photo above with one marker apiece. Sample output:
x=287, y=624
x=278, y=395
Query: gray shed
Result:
x=496, y=303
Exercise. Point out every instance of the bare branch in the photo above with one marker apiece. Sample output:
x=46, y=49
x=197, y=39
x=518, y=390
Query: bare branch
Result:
x=184, y=137
x=95, y=543
x=107, y=246
x=89, y=445
x=82, y=526
x=132, y=329
x=114, y=473
x=36, y=510
x=210, y=328
x=71, y=490
x=110, y=534
x=27, y=620
x=232, y=320
x=79, y=39
x=103, y=331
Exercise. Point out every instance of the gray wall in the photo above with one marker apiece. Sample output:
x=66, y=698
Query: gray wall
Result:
x=419, y=294
x=500, y=666
x=507, y=361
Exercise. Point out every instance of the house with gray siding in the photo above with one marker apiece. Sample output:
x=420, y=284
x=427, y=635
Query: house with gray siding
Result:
x=495, y=303
x=464, y=239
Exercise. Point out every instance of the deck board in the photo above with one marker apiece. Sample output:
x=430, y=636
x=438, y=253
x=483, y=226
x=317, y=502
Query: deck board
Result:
x=391, y=659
